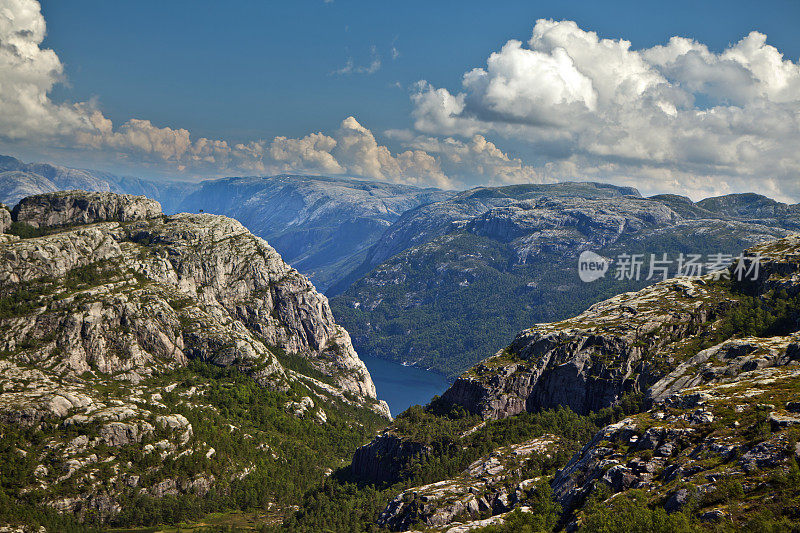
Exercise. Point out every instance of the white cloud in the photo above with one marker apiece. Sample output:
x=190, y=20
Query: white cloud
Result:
x=476, y=161
x=677, y=114
x=676, y=117
x=27, y=74
x=29, y=116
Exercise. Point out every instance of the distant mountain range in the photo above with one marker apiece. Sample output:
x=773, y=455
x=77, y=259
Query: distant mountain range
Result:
x=322, y=226
x=18, y=180
x=452, y=281
x=438, y=279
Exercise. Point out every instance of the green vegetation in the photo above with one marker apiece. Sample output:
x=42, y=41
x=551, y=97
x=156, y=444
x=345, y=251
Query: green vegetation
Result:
x=26, y=231
x=450, y=303
x=629, y=513
x=543, y=515
x=341, y=503
x=246, y=424
x=23, y=298
x=461, y=298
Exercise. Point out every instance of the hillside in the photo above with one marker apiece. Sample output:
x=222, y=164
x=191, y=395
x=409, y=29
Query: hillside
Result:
x=320, y=225
x=674, y=408
x=156, y=368
x=452, y=281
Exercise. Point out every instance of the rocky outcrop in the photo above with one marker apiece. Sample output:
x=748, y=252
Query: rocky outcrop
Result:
x=383, y=458
x=590, y=361
x=716, y=413
x=93, y=316
x=492, y=485
x=5, y=218
x=698, y=433
x=80, y=207
x=631, y=343
x=180, y=287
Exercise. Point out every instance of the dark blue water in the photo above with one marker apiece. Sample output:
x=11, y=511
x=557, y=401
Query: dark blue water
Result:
x=403, y=386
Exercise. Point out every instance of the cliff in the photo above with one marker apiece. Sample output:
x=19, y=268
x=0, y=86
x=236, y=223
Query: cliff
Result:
x=79, y=207
x=117, y=298
x=623, y=345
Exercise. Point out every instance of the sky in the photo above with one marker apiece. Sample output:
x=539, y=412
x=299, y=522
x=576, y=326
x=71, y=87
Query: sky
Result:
x=694, y=98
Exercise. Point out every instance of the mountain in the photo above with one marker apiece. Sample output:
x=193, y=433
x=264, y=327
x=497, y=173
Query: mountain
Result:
x=674, y=408
x=321, y=226
x=18, y=180
x=450, y=281
x=156, y=368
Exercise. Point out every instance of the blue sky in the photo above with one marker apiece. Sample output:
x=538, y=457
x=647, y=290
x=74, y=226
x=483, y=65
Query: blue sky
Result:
x=705, y=99
x=239, y=70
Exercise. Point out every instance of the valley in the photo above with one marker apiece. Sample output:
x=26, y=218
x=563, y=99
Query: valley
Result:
x=164, y=369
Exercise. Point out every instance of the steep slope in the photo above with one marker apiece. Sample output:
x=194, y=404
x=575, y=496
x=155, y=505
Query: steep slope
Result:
x=116, y=321
x=496, y=260
x=428, y=222
x=322, y=226
x=625, y=344
x=693, y=386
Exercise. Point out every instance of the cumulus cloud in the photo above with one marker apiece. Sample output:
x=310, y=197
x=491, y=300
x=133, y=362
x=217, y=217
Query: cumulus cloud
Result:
x=676, y=114
x=28, y=115
x=675, y=117
x=472, y=162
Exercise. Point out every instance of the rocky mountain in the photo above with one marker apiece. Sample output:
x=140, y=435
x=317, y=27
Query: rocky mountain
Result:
x=450, y=281
x=692, y=384
x=321, y=226
x=146, y=356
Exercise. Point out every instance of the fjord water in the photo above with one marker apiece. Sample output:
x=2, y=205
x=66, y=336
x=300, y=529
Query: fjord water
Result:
x=403, y=386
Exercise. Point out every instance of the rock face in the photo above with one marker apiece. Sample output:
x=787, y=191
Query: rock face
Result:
x=716, y=365
x=79, y=207
x=493, y=484
x=233, y=286
x=630, y=343
x=383, y=457
x=590, y=361
x=5, y=218
x=673, y=445
x=91, y=312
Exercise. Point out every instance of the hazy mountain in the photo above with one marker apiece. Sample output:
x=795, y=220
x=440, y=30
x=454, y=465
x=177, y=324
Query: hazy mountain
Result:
x=321, y=226
x=451, y=281
x=18, y=180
